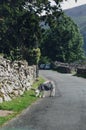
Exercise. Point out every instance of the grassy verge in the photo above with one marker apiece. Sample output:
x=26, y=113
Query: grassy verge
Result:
x=20, y=103
x=81, y=75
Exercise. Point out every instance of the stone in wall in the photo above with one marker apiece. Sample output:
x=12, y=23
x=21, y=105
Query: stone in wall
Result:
x=15, y=78
x=81, y=71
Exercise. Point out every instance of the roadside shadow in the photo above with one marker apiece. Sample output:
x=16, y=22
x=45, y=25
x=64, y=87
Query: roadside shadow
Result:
x=32, y=95
x=80, y=75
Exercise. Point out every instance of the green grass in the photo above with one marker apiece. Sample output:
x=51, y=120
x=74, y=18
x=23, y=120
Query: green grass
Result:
x=81, y=75
x=6, y=118
x=20, y=103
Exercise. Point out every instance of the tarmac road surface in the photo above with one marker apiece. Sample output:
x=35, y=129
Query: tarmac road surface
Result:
x=65, y=111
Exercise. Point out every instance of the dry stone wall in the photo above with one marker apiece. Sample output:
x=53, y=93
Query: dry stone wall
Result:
x=63, y=67
x=15, y=78
x=78, y=67
x=81, y=71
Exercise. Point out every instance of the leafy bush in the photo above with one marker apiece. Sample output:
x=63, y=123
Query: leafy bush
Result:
x=31, y=55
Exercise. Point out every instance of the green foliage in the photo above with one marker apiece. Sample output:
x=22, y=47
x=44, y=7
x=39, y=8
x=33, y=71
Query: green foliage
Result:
x=81, y=21
x=44, y=60
x=20, y=26
x=9, y=12
x=31, y=55
x=63, y=42
x=15, y=54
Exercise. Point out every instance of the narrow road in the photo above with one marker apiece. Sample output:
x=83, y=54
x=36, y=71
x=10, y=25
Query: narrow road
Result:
x=65, y=111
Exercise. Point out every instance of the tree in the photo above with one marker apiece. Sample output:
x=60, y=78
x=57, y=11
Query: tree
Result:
x=20, y=24
x=19, y=20
x=63, y=42
x=19, y=28
x=10, y=11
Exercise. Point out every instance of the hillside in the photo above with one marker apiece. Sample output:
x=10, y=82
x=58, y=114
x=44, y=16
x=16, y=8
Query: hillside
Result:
x=78, y=14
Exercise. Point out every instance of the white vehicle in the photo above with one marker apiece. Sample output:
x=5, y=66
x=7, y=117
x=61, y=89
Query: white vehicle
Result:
x=42, y=66
x=47, y=66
